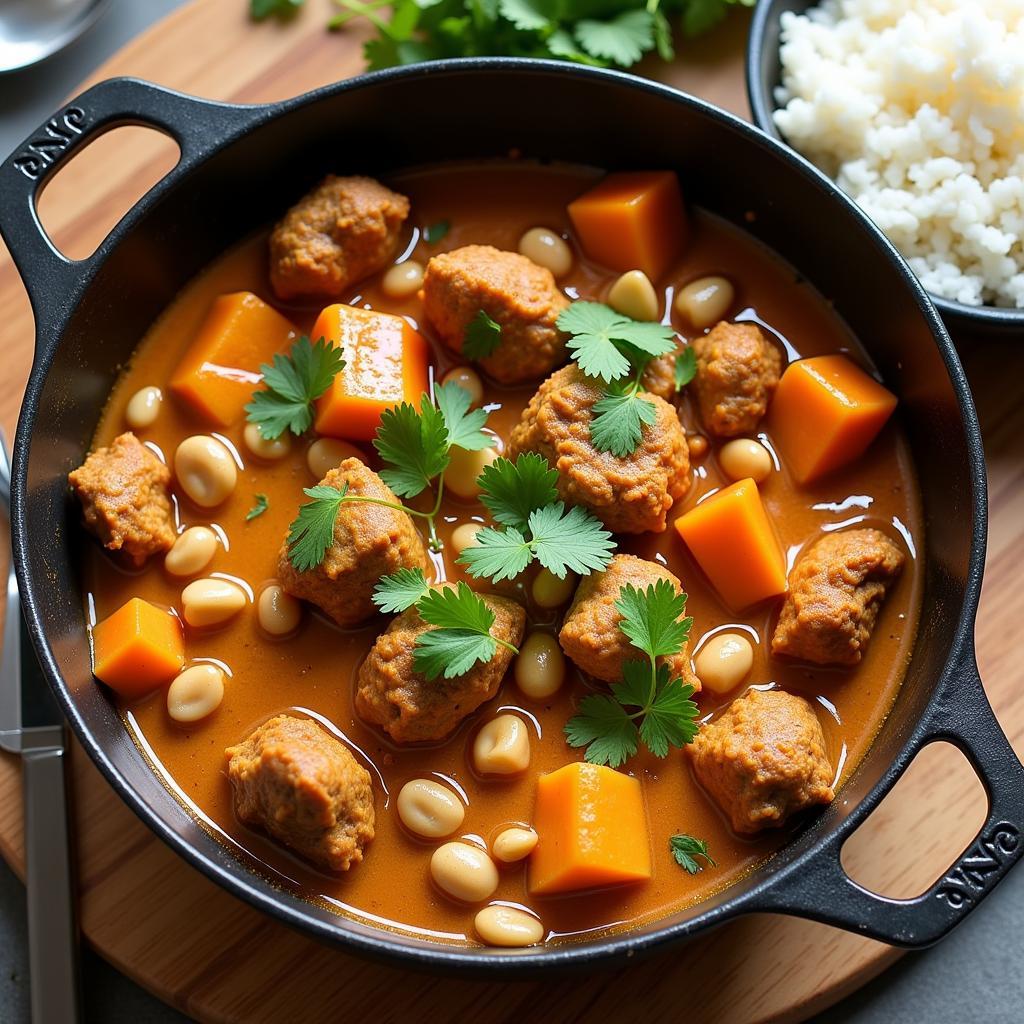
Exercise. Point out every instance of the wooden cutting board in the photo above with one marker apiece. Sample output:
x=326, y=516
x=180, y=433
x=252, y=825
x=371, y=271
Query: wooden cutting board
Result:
x=214, y=957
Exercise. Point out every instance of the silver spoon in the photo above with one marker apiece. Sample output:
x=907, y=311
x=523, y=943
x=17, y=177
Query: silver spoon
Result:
x=32, y=30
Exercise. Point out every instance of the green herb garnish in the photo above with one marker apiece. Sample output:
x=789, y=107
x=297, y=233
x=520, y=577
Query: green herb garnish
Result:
x=483, y=336
x=535, y=525
x=686, y=849
x=433, y=233
x=648, y=706
x=685, y=368
x=291, y=386
x=462, y=619
x=260, y=9
x=312, y=532
x=261, y=505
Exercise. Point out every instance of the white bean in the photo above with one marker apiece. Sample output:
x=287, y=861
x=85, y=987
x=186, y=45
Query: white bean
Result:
x=502, y=746
x=402, y=280
x=464, y=536
x=143, y=408
x=551, y=592
x=205, y=469
x=464, y=871
x=465, y=467
x=265, y=449
x=327, y=453
x=508, y=926
x=429, y=809
x=512, y=844
x=745, y=457
x=211, y=602
x=540, y=666
x=469, y=380
x=192, y=551
x=277, y=612
x=195, y=693
x=705, y=301
x=724, y=662
x=634, y=296
x=547, y=249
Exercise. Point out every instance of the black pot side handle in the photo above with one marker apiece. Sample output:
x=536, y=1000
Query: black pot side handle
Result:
x=196, y=125
x=818, y=888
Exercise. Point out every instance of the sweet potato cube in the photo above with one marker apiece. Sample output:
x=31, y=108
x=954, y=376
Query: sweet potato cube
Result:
x=221, y=368
x=137, y=649
x=385, y=364
x=731, y=537
x=825, y=413
x=592, y=829
x=633, y=220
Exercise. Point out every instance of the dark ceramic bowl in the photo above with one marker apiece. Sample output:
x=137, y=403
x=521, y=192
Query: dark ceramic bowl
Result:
x=241, y=166
x=764, y=75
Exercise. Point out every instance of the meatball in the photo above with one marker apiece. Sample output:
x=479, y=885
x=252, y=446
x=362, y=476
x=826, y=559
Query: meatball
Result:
x=304, y=787
x=409, y=707
x=629, y=495
x=660, y=376
x=590, y=634
x=763, y=759
x=737, y=373
x=125, y=498
x=370, y=541
x=836, y=590
x=513, y=291
x=342, y=231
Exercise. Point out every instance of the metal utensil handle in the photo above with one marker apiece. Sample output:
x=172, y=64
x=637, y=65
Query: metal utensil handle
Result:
x=197, y=126
x=818, y=888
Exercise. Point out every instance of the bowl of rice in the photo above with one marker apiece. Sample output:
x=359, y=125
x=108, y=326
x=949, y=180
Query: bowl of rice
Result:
x=915, y=108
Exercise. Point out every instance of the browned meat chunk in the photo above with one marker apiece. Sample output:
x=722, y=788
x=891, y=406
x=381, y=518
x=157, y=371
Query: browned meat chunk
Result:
x=411, y=709
x=342, y=231
x=836, y=590
x=660, y=376
x=629, y=495
x=304, y=787
x=763, y=759
x=590, y=634
x=737, y=373
x=514, y=292
x=370, y=541
x=125, y=498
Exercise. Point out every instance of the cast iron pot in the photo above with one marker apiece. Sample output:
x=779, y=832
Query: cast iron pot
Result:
x=764, y=75
x=241, y=166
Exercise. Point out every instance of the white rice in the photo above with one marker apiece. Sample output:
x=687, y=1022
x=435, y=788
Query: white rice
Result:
x=916, y=108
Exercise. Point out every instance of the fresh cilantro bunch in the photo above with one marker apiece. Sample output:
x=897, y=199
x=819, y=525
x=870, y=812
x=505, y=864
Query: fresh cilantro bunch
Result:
x=415, y=445
x=462, y=619
x=604, y=33
x=291, y=385
x=615, y=350
x=534, y=525
x=648, y=706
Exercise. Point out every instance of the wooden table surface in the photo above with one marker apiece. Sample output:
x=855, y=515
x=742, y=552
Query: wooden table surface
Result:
x=214, y=957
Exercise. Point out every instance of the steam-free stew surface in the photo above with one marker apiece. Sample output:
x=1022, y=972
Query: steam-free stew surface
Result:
x=314, y=671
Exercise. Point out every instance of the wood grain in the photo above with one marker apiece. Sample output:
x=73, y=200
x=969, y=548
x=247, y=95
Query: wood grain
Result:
x=215, y=958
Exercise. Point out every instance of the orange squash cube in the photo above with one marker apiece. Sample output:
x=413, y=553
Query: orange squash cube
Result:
x=632, y=220
x=592, y=829
x=385, y=364
x=137, y=649
x=731, y=537
x=825, y=413
x=221, y=368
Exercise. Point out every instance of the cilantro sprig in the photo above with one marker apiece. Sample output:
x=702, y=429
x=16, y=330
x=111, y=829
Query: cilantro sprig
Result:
x=462, y=623
x=291, y=385
x=648, y=706
x=415, y=445
x=687, y=849
x=483, y=336
x=260, y=505
x=614, y=350
x=533, y=525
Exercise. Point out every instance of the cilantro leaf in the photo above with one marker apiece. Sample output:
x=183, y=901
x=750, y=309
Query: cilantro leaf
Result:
x=400, y=590
x=261, y=505
x=685, y=367
x=312, y=532
x=456, y=608
x=569, y=541
x=260, y=9
x=483, y=336
x=433, y=233
x=414, y=444
x=700, y=16
x=511, y=491
x=663, y=36
x=604, y=728
x=670, y=720
x=651, y=618
x=463, y=634
x=463, y=426
x=592, y=326
x=291, y=385
x=623, y=39
x=686, y=849
x=619, y=417
x=497, y=554
x=524, y=14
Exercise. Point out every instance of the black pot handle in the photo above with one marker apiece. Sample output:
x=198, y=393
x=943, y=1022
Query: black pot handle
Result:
x=196, y=125
x=817, y=887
